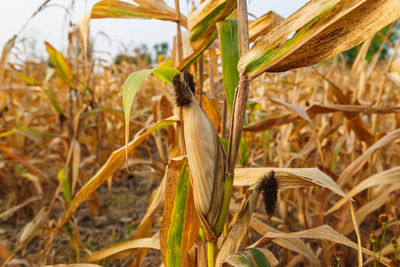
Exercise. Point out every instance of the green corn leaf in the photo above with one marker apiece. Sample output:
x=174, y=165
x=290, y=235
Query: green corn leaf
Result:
x=28, y=129
x=321, y=30
x=132, y=85
x=180, y=224
x=228, y=39
x=253, y=257
x=175, y=233
x=28, y=80
x=63, y=178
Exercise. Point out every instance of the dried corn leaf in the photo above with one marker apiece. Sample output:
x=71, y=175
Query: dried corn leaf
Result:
x=288, y=178
x=356, y=165
x=73, y=265
x=151, y=10
x=202, y=22
x=9, y=212
x=263, y=25
x=370, y=207
x=324, y=232
x=315, y=109
x=113, y=163
x=322, y=29
x=295, y=245
x=30, y=230
x=253, y=257
x=202, y=26
x=24, y=162
x=390, y=176
x=4, y=55
x=120, y=249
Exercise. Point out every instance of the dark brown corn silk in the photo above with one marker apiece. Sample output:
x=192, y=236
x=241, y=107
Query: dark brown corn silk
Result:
x=269, y=188
x=184, y=88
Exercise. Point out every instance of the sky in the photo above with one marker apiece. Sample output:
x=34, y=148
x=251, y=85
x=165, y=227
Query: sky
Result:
x=52, y=25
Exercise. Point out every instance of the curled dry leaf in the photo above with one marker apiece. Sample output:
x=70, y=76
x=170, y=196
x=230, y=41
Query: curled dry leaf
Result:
x=288, y=178
x=263, y=25
x=122, y=248
x=390, y=176
x=154, y=9
x=295, y=245
x=324, y=232
x=356, y=165
x=322, y=29
x=315, y=109
x=202, y=26
x=29, y=231
x=113, y=163
x=370, y=207
x=6, y=214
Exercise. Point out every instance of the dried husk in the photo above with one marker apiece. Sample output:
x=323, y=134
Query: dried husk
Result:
x=205, y=154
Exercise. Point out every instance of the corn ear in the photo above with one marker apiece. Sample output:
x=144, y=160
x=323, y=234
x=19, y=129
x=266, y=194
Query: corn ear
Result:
x=205, y=154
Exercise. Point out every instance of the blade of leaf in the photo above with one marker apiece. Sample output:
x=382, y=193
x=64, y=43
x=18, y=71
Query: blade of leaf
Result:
x=263, y=24
x=295, y=245
x=60, y=63
x=228, y=39
x=132, y=85
x=390, y=176
x=120, y=9
x=288, y=178
x=113, y=163
x=149, y=242
x=257, y=257
x=325, y=232
x=179, y=229
x=322, y=29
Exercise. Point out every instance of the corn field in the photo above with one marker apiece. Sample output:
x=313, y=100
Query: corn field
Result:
x=256, y=142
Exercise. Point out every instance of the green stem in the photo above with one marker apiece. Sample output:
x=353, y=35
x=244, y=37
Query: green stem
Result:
x=210, y=253
x=373, y=250
x=383, y=237
x=223, y=213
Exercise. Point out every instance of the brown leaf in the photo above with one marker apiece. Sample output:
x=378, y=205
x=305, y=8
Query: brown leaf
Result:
x=123, y=247
x=263, y=25
x=288, y=178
